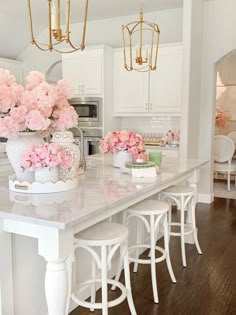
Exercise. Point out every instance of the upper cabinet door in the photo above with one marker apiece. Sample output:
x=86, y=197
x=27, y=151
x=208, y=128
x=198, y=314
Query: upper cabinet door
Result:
x=92, y=72
x=85, y=70
x=130, y=88
x=72, y=70
x=166, y=81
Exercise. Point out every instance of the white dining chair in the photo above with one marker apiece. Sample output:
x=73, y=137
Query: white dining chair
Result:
x=232, y=135
x=223, y=153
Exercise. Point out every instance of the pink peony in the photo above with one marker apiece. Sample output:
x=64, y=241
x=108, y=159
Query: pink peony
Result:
x=64, y=89
x=34, y=78
x=45, y=155
x=40, y=106
x=122, y=140
x=67, y=118
x=34, y=120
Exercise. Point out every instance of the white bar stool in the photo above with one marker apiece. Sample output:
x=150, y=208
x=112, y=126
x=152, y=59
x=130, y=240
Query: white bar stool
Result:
x=151, y=213
x=185, y=199
x=108, y=238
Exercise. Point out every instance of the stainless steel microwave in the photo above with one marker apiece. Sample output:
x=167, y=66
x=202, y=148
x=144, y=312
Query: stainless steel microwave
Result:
x=89, y=110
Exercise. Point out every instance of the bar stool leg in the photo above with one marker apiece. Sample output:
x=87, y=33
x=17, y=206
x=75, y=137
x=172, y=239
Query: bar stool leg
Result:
x=195, y=229
x=182, y=231
x=138, y=242
x=127, y=280
x=153, y=258
x=104, y=280
x=119, y=269
x=93, y=286
x=166, y=242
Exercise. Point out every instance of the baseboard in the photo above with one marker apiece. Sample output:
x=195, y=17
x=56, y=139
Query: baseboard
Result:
x=205, y=198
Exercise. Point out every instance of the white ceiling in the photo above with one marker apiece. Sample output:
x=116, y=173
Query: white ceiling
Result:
x=14, y=21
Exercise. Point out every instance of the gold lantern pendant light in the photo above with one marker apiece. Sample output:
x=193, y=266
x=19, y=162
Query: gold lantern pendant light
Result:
x=55, y=33
x=143, y=55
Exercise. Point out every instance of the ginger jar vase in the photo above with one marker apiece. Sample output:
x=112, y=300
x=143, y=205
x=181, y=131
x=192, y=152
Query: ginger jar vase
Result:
x=67, y=141
x=15, y=147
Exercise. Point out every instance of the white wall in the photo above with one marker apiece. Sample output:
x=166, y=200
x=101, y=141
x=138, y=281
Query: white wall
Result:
x=191, y=87
x=107, y=32
x=218, y=40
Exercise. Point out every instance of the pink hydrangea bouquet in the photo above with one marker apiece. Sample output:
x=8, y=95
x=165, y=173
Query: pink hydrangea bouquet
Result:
x=222, y=118
x=122, y=140
x=38, y=106
x=45, y=155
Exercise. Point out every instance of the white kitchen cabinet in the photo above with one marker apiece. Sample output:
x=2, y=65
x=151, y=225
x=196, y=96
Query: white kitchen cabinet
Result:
x=130, y=92
x=15, y=67
x=154, y=92
x=84, y=69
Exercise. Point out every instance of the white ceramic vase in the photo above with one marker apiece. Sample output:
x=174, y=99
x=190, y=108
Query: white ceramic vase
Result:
x=66, y=140
x=46, y=174
x=15, y=147
x=120, y=158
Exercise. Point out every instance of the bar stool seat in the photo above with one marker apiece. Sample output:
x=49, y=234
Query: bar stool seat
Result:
x=185, y=199
x=178, y=189
x=150, y=213
x=107, y=238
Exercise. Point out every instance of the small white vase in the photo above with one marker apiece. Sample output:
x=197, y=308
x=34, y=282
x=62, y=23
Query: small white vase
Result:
x=46, y=174
x=15, y=147
x=120, y=158
x=66, y=140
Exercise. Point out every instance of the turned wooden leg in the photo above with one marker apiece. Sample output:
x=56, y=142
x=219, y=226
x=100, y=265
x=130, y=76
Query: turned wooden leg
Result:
x=56, y=287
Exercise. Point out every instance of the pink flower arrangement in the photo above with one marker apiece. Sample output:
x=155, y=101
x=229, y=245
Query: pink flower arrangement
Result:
x=222, y=118
x=45, y=155
x=173, y=135
x=122, y=140
x=38, y=107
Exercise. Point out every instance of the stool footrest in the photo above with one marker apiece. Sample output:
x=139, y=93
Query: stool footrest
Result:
x=146, y=261
x=112, y=303
x=188, y=230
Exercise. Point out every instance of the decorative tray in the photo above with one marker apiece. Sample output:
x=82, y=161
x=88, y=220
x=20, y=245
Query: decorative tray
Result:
x=147, y=165
x=41, y=188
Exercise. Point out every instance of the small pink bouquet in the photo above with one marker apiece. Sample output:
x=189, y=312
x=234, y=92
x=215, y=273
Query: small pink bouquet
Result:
x=45, y=155
x=122, y=140
x=173, y=135
x=222, y=118
x=38, y=106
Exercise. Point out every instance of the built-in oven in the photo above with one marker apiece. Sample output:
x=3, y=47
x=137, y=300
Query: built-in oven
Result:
x=89, y=110
x=91, y=138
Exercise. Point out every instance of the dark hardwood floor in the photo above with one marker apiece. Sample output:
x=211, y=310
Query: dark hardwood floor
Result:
x=206, y=286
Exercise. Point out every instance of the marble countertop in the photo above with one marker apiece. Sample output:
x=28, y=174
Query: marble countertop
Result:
x=101, y=189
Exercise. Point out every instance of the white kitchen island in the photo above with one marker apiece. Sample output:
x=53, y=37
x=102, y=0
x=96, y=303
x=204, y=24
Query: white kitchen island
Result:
x=53, y=219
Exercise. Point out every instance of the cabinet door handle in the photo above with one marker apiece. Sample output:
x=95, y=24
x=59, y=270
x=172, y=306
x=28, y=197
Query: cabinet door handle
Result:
x=146, y=106
x=150, y=106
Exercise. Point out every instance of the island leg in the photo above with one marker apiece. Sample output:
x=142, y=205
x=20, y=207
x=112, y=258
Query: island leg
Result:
x=56, y=246
x=56, y=287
